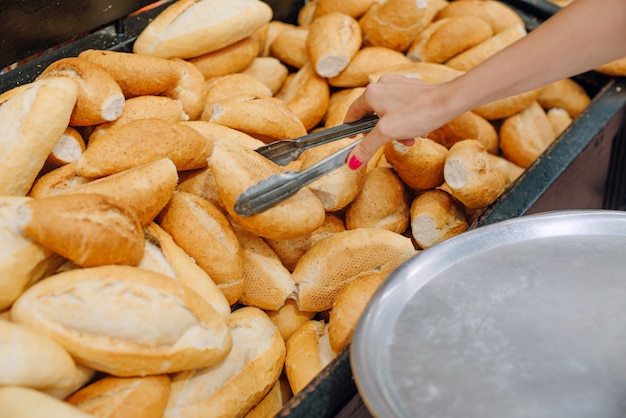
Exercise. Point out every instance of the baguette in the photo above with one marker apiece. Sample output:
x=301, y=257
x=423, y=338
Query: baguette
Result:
x=57, y=180
x=269, y=70
x=94, y=313
x=275, y=399
x=498, y=14
x=435, y=217
x=228, y=60
x=338, y=105
x=353, y=8
x=509, y=106
x=68, y=148
x=229, y=86
x=190, y=90
x=24, y=402
x=467, y=125
x=420, y=166
x=565, y=94
x=190, y=28
x=290, y=46
x=366, y=61
x=288, y=318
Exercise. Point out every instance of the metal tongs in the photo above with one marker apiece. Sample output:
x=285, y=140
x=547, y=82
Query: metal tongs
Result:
x=279, y=187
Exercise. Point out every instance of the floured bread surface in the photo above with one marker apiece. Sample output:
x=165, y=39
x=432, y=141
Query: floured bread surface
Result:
x=235, y=169
x=95, y=313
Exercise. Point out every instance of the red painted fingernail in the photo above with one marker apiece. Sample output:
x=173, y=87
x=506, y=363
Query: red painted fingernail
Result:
x=354, y=163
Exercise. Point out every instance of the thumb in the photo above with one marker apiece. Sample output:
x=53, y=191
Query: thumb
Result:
x=363, y=152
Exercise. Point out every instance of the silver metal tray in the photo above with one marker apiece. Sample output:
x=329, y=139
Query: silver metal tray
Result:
x=521, y=318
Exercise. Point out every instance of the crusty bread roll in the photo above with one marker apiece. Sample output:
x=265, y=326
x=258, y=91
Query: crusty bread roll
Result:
x=117, y=397
x=87, y=229
x=231, y=85
x=95, y=314
x=32, y=359
x=290, y=250
x=236, y=385
x=559, y=119
x=214, y=132
x=68, y=148
x=288, y=318
x=164, y=256
x=100, y=98
x=228, y=60
x=190, y=89
x=235, y=169
x=473, y=56
x=269, y=70
x=509, y=106
x=426, y=71
x=420, y=166
x=275, y=399
x=203, y=231
x=338, y=105
x=32, y=122
x=616, y=68
x=266, y=282
x=512, y=170
x=150, y=75
x=308, y=352
x=333, y=40
x=82, y=377
x=289, y=46
x=435, y=217
x=565, y=94
x=348, y=308
x=16, y=401
x=381, y=203
x=447, y=37
x=272, y=29
x=339, y=188
x=366, y=61
x=353, y=8
x=190, y=28
x=143, y=141
x=339, y=258
x=498, y=14
x=307, y=96
x=395, y=23
x=59, y=179
x=306, y=13
x=474, y=178
x=525, y=135
x=467, y=125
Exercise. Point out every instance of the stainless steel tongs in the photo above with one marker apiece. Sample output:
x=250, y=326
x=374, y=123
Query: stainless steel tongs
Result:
x=279, y=187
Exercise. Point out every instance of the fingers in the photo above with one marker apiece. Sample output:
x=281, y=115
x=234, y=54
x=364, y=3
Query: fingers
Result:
x=363, y=152
x=358, y=109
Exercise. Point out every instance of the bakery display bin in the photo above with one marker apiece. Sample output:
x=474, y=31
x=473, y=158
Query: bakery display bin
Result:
x=583, y=169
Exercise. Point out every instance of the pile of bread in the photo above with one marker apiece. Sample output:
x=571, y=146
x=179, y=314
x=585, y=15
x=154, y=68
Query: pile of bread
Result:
x=128, y=284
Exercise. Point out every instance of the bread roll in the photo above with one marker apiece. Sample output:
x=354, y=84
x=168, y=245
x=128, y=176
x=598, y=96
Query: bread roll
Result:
x=336, y=260
x=616, y=68
x=266, y=118
x=426, y=71
x=266, y=282
x=112, y=397
x=150, y=75
x=473, y=56
x=229, y=86
x=33, y=121
x=82, y=377
x=203, y=231
x=290, y=46
x=467, y=125
x=308, y=352
x=508, y=106
x=68, y=148
x=559, y=119
x=235, y=386
x=498, y=14
x=420, y=166
x=367, y=60
x=565, y=94
x=275, y=399
x=512, y=170
x=288, y=318
x=290, y=250
x=435, y=217
x=32, y=359
x=307, y=96
x=235, y=169
x=190, y=28
x=59, y=179
x=338, y=105
x=190, y=89
x=269, y=70
x=353, y=8
x=526, y=135
x=100, y=98
x=475, y=180
x=23, y=402
x=334, y=39
x=87, y=229
x=348, y=308
x=381, y=203
x=228, y=60
x=143, y=141
x=95, y=314
x=164, y=256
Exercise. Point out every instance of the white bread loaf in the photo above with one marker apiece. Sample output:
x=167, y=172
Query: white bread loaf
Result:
x=234, y=386
x=23, y=261
x=336, y=260
x=111, y=397
x=205, y=233
x=95, y=314
x=420, y=166
x=435, y=217
x=228, y=60
x=236, y=168
x=289, y=317
x=269, y=70
x=190, y=28
x=16, y=401
x=100, y=98
x=87, y=229
x=68, y=148
x=32, y=122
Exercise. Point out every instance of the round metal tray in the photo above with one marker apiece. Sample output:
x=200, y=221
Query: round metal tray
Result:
x=522, y=318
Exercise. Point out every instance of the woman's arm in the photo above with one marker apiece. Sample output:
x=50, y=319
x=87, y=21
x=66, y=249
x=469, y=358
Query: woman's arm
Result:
x=580, y=37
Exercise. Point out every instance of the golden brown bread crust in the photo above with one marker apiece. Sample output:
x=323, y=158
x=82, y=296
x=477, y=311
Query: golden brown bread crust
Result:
x=303, y=361
x=425, y=71
x=94, y=313
x=269, y=70
x=559, y=119
x=288, y=318
x=228, y=60
x=118, y=397
x=367, y=60
x=565, y=94
x=499, y=15
x=353, y=8
x=57, y=180
x=616, y=68
x=289, y=46
x=435, y=217
x=508, y=106
x=16, y=401
x=275, y=399
x=231, y=85
x=68, y=148
x=338, y=105
x=190, y=90
x=467, y=125
x=87, y=229
x=420, y=166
